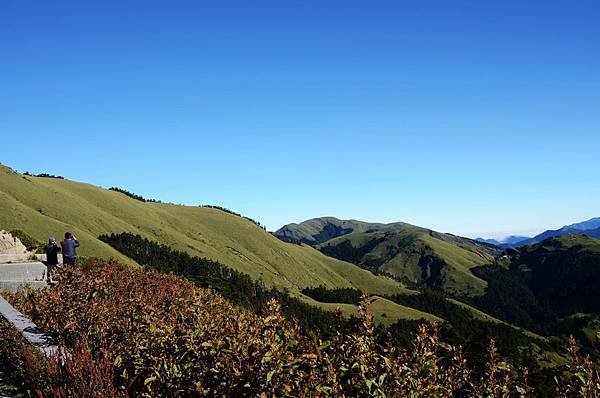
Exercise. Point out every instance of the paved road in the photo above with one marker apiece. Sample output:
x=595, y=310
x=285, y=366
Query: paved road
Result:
x=12, y=276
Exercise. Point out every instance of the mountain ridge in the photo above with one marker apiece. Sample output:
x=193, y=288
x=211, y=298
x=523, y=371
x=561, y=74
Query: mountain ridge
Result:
x=408, y=252
x=592, y=225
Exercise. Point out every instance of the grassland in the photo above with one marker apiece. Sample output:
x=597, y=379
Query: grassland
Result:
x=460, y=260
x=385, y=311
x=409, y=251
x=45, y=207
x=321, y=229
x=403, y=250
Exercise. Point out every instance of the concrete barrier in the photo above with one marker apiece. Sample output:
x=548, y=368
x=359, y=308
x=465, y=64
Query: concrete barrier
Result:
x=24, y=258
x=28, y=329
x=14, y=258
x=15, y=276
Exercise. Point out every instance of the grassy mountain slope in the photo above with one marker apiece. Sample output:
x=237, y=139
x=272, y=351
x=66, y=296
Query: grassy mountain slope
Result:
x=46, y=207
x=403, y=250
x=385, y=311
x=389, y=312
x=321, y=229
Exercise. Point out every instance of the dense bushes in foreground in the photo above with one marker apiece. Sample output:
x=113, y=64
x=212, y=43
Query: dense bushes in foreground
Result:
x=149, y=334
x=77, y=374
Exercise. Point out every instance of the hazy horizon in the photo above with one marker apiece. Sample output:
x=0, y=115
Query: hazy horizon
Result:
x=479, y=119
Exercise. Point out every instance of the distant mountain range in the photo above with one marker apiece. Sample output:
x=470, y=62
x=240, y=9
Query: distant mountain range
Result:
x=509, y=240
x=590, y=227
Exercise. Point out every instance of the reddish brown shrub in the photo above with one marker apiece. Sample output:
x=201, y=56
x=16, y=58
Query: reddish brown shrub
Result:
x=73, y=373
x=158, y=335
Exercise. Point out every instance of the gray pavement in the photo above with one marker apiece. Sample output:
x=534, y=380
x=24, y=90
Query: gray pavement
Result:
x=23, y=258
x=30, y=271
x=14, y=276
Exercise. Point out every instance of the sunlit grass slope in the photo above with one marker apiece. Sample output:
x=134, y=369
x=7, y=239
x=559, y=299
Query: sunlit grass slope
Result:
x=406, y=252
x=385, y=311
x=48, y=207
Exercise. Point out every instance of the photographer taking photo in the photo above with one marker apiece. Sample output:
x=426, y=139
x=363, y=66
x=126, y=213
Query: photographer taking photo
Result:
x=69, y=244
x=52, y=251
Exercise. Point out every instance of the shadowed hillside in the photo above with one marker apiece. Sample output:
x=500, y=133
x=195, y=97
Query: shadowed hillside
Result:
x=552, y=287
x=563, y=272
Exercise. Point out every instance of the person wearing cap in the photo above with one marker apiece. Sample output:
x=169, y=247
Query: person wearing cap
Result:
x=69, y=244
x=51, y=250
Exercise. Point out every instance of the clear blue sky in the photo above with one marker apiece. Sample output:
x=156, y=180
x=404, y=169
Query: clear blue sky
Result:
x=478, y=118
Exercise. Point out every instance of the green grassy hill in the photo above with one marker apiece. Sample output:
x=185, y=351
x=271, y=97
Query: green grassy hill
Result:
x=45, y=207
x=403, y=250
x=322, y=229
x=385, y=311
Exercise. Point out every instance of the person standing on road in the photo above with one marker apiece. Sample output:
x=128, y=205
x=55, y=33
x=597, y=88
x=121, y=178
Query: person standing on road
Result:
x=51, y=250
x=69, y=244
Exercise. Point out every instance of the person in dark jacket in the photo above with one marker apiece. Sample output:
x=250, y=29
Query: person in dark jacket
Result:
x=51, y=250
x=69, y=244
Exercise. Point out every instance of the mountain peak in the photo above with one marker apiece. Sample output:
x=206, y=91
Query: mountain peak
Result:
x=592, y=223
